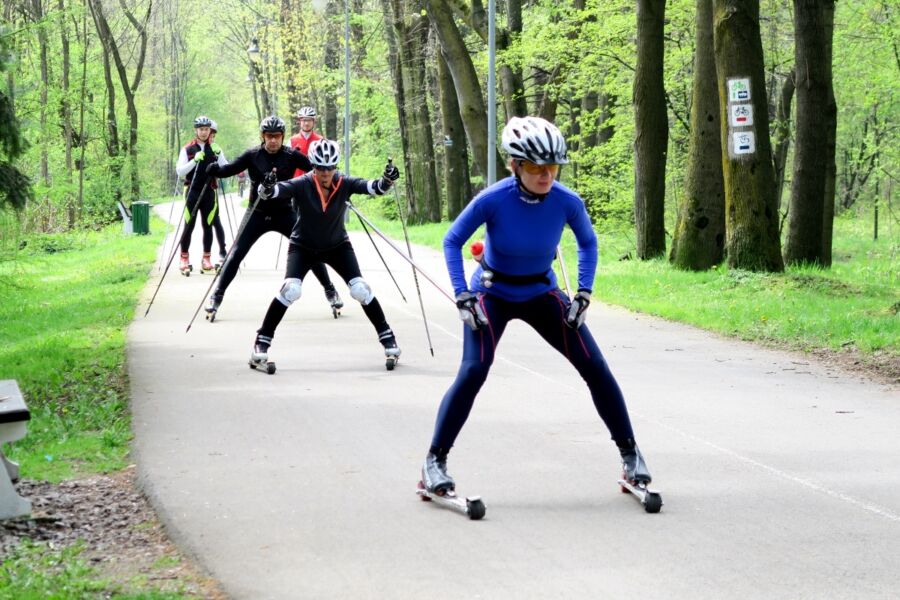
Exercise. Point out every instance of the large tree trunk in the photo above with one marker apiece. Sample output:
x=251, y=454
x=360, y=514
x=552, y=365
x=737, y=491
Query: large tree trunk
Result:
x=651, y=131
x=465, y=80
x=293, y=51
x=804, y=237
x=65, y=109
x=700, y=231
x=782, y=135
x=333, y=57
x=423, y=198
x=751, y=219
x=456, y=156
x=830, y=125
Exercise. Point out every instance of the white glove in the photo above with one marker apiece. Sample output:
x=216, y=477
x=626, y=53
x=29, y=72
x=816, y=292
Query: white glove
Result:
x=577, y=309
x=470, y=311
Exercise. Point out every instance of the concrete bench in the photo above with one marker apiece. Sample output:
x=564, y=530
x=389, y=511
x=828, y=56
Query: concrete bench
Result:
x=13, y=416
x=126, y=216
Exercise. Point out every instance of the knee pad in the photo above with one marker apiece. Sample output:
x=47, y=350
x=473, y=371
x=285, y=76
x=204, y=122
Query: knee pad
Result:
x=360, y=290
x=290, y=291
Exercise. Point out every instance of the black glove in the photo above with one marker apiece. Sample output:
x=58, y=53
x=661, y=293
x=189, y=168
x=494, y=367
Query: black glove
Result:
x=576, y=313
x=212, y=169
x=391, y=172
x=470, y=311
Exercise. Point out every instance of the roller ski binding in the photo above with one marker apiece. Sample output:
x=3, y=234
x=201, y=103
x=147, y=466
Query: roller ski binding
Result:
x=437, y=486
x=636, y=478
x=185, y=265
x=213, y=307
x=221, y=262
x=259, y=358
x=391, y=349
x=336, y=303
x=206, y=264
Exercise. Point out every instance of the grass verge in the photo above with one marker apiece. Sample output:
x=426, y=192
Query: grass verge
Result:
x=852, y=309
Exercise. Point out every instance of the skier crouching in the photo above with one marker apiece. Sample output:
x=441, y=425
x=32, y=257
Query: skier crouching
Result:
x=524, y=216
x=319, y=236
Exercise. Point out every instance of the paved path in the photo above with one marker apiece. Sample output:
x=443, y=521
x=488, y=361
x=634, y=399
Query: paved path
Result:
x=781, y=479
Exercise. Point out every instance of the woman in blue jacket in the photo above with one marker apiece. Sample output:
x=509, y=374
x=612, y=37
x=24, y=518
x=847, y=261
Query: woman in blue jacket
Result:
x=524, y=216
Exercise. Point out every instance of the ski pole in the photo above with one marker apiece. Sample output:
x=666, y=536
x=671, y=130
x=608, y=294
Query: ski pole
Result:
x=278, y=254
x=565, y=273
x=400, y=252
x=409, y=251
x=175, y=249
x=243, y=225
x=224, y=203
x=382, y=259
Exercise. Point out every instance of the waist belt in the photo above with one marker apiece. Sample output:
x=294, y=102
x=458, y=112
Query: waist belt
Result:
x=513, y=279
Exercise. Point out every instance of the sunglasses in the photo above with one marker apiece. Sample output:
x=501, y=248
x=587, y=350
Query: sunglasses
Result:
x=323, y=168
x=535, y=169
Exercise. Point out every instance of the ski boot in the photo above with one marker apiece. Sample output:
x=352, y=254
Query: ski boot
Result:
x=206, y=264
x=213, y=307
x=636, y=477
x=391, y=349
x=437, y=486
x=185, y=265
x=336, y=303
x=221, y=262
x=259, y=358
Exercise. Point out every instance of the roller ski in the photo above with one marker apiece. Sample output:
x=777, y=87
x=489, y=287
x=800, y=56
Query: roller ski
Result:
x=391, y=349
x=437, y=486
x=335, y=300
x=184, y=265
x=206, y=264
x=213, y=307
x=259, y=358
x=636, y=478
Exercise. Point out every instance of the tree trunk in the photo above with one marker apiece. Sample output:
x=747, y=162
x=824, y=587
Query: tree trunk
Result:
x=511, y=80
x=37, y=13
x=456, y=157
x=465, y=80
x=751, y=218
x=830, y=126
x=411, y=32
x=804, y=237
x=333, y=57
x=65, y=109
x=699, y=240
x=293, y=51
x=782, y=135
x=651, y=131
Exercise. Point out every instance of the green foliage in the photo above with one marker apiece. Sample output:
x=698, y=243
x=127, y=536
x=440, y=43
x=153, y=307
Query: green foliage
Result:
x=65, y=300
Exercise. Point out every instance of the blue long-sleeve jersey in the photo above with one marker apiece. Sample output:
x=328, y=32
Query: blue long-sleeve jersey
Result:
x=521, y=239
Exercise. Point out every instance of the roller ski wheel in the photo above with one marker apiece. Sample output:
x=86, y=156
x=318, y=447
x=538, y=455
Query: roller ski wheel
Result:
x=650, y=499
x=390, y=362
x=471, y=506
x=211, y=314
x=267, y=366
x=212, y=308
x=335, y=301
x=186, y=271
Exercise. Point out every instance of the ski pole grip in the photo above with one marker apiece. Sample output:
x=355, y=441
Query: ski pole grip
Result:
x=477, y=250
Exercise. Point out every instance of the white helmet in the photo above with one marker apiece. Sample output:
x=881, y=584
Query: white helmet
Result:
x=307, y=112
x=324, y=153
x=213, y=126
x=536, y=140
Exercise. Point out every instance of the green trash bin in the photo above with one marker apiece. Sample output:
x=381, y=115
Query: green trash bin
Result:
x=140, y=217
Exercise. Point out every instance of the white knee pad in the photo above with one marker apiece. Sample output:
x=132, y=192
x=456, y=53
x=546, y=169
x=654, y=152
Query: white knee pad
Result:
x=290, y=291
x=360, y=290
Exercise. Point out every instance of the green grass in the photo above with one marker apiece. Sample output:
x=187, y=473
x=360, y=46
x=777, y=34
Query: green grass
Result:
x=39, y=572
x=854, y=305
x=65, y=303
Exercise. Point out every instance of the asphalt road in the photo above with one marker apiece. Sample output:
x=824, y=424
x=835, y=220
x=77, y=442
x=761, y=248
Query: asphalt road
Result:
x=781, y=478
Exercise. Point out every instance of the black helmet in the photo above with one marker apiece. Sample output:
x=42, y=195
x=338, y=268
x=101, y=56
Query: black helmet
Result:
x=307, y=112
x=202, y=121
x=271, y=125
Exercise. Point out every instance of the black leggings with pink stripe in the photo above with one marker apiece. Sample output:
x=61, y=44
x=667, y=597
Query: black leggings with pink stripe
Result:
x=546, y=314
